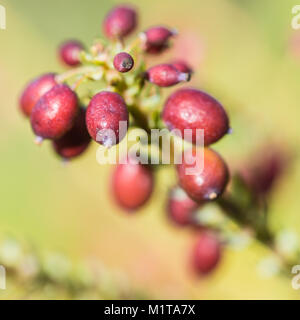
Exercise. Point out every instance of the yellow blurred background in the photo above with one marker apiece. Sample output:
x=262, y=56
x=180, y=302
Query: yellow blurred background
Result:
x=241, y=53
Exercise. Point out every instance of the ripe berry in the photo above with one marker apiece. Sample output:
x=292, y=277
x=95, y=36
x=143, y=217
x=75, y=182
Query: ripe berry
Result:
x=206, y=253
x=123, y=62
x=120, y=22
x=75, y=141
x=103, y=116
x=207, y=181
x=35, y=90
x=165, y=75
x=156, y=38
x=54, y=113
x=69, y=52
x=181, y=207
x=132, y=184
x=194, y=109
x=182, y=66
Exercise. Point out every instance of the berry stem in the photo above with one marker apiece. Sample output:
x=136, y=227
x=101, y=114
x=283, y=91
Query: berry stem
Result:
x=74, y=72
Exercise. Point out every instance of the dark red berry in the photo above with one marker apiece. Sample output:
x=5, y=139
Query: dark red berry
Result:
x=204, y=176
x=194, y=109
x=181, y=207
x=55, y=113
x=104, y=114
x=75, y=141
x=206, y=253
x=123, y=62
x=69, y=52
x=165, y=75
x=182, y=66
x=120, y=22
x=35, y=90
x=156, y=38
x=132, y=184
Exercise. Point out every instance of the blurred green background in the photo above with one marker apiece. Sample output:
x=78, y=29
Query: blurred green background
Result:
x=241, y=53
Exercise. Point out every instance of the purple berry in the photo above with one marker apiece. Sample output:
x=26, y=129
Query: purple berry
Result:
x=55, y=113
x=165, y=75
x=35, y=90
x=103, y=116
x=182, y=66
x=157, y=38
x=120, y=22
x=123, y=62
x=69, y=52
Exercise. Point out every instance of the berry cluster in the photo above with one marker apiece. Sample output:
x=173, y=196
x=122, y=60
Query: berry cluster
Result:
x=124, y=90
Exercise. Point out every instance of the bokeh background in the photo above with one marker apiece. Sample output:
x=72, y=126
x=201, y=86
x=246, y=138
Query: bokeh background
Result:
x=242, y=53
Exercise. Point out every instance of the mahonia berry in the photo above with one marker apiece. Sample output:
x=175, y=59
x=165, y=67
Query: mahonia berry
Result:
x=103, y=116
x=35, y=90
x=165, y=75
x=120, y=22
x=193, y=109
x=207, y=181
x=156, y=39
x=69, y=52
x=123, y=62
x=132, y=184
x=75, y=141
x=181, y=207
x=182, y=66
x=206, y=253
x=55, y=113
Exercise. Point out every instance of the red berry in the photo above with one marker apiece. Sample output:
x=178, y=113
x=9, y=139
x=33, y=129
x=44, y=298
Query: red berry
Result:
x=132, y=184
x=69, y=52
x=206, y=253
x=165, y=75
x=120, y=22
x=207, y=181
x=123, y=62
x=194, y=109
x=54, y=113
x=181, y=207
x=35, y=90
x=103, y=116
x=182, y=66
x=75, y=141
x=156, y=38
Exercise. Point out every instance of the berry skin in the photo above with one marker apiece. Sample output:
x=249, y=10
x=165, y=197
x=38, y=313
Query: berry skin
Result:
x=69, y=52
x=181, y=207
x=165, y=75
x=105, y=111
x=193, y=109
x=123, y=62
x=182, y=66
x=35, y=90
x=55, y=113
x=206, y=253
x=207, y=182
x=120, y=22
x=75, y=141
x=132, y=184
x=156, y=38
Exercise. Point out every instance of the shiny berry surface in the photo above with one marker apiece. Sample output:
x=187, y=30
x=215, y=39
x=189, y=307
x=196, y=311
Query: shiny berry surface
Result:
x=123, y=62
x=165, y=75
x=206, y=253
x=103, y=116
x=195, y=109
x=75, y=141
x=69, y=52
x=55, y=113
x=132, y=184
x=181, y=207
x=206, y=182
x=35, y=90
x=120, y=22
